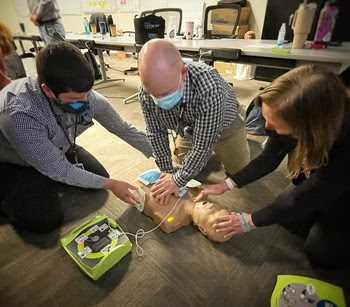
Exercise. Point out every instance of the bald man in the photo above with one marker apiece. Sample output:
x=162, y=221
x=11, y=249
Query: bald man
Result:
x=201, y=110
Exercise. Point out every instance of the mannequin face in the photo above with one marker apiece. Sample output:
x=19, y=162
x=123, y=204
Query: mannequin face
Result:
x=204, y=215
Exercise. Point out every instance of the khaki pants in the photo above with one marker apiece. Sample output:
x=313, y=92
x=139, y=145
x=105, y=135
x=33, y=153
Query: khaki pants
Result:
x=232, y=148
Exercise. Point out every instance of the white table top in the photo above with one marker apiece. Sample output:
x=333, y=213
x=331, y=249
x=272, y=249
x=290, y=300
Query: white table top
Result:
x=259, y=48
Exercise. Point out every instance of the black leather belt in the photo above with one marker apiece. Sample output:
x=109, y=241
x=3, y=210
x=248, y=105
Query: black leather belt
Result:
x=48, y=21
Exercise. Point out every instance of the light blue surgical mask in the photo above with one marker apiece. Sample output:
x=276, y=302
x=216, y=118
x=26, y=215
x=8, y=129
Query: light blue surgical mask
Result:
x=149, y=177
x=170, y=101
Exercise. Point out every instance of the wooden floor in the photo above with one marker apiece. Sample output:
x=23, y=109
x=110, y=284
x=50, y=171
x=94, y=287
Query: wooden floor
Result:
x=183, y=268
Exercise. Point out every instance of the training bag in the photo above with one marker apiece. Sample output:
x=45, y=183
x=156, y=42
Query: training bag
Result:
x=92, y=61
x=148, y=27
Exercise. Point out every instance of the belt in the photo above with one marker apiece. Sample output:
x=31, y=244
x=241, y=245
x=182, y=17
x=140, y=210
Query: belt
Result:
x=48, y=21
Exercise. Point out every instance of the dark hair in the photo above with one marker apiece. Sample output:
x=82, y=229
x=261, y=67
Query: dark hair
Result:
x=63, y=68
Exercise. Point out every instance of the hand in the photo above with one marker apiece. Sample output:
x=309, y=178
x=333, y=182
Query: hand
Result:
x=35, y=19
x=121, y=189
x=213, y=189
x=228, y=224
x=164, y=188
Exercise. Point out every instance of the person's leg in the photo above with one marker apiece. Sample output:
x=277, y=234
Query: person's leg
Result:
x=52, y=31
x=326, y=247
x=30, y=199
x=232, y=147
x=90, y=163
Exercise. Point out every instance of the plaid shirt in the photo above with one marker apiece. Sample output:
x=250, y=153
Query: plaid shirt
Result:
x=210, y=107
x=31, y=136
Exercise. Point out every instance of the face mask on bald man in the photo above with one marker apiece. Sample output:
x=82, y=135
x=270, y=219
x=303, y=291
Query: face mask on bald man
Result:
x=170, y=101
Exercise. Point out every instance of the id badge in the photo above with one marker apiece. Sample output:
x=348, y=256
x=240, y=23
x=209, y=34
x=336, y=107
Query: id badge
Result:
x=79, y=165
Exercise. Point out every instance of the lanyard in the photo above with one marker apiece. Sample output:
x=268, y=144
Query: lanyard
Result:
x=72, y=145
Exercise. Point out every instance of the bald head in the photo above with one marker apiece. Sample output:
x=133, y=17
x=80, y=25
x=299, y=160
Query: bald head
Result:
x=160, y=66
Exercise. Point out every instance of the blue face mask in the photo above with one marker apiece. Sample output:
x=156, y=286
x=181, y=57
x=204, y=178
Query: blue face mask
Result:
x=81, y=108
x=149, y=177
x=170, y=101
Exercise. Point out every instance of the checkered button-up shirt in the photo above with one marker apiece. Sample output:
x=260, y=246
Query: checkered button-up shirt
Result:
x=210, y=107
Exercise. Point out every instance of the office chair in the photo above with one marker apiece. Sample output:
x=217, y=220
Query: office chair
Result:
x=165, y=13
x=220, y=21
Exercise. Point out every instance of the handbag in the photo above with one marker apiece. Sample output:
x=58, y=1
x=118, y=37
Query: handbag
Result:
x=148, y=27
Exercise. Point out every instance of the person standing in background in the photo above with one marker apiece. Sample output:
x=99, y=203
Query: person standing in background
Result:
x=45, y=15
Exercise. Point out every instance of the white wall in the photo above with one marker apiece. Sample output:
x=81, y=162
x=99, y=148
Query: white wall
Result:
x=122, y=20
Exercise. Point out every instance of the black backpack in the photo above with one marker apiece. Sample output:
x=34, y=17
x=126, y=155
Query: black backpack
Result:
x=92, y=61
x=148, y=27
x=14, y=66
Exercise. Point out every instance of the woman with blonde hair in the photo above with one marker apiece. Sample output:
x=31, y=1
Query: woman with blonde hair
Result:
x=6, y=47
x=308, y=114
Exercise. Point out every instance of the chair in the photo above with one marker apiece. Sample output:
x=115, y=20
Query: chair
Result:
x=165, y=13
x=220, y=21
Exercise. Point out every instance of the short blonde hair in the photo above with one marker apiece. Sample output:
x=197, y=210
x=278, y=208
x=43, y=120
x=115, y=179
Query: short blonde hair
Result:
x=6, y=39
x=311, y=100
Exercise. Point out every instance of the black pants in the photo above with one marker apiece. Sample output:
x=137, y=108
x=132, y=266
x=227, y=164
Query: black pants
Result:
x=30, y=200
x=325, y=238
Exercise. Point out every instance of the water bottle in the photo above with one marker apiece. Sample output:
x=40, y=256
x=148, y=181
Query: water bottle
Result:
x=281, y=35
x=86, y=26
x=326, y=22
x=171, y=31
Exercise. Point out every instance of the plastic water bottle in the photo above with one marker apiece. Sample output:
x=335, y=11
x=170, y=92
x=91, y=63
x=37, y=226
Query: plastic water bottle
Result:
x=326, y=22
x=86, y=26
x=171, y=31
x=281, y=35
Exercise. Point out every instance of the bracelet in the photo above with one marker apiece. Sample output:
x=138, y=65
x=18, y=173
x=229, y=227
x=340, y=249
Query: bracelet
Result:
x=229, y=183
x=243, y=218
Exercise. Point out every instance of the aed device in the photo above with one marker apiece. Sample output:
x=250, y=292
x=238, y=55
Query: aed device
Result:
x=97, y=245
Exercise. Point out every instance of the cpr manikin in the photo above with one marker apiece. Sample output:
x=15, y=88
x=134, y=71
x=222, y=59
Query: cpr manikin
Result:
x=186, y=211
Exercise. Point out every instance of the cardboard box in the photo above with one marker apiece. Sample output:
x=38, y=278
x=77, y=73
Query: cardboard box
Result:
x=223, y=16
x=222, y=21
x=244, y=16
x=221, y=29
x=241, y=30
x=225, y=68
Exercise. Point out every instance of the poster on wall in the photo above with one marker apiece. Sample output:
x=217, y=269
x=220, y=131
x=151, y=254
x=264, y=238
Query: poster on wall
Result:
x=128, y=6
x=21, y=8
x=69, y=7
x=99, y=6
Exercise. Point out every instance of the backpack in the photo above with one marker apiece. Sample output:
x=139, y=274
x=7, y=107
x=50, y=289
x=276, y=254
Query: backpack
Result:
x=148, y=27
x=254, y=121
x=14, y=66
x=92, y=61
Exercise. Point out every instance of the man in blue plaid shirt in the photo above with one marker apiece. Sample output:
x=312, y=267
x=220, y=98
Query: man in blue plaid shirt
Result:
x=199, y=108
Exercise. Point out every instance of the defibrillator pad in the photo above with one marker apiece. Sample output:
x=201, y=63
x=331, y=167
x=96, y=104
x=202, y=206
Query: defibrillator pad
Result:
x=97, y=245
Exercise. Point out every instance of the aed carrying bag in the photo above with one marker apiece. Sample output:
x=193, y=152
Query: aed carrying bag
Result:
x=148, y=27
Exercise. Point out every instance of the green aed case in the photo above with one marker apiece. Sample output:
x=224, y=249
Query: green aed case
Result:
x=96, y=245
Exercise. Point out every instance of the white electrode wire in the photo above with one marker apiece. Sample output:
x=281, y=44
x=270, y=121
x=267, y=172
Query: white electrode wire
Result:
x=203, y=53
x=140, y=233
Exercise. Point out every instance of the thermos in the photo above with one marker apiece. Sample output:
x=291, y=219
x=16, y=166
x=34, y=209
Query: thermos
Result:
x=302, y=21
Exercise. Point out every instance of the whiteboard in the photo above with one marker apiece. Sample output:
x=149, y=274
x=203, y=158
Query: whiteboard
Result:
x=21, y=8
x=128, y=6
x=99, y=6
x=69, y=7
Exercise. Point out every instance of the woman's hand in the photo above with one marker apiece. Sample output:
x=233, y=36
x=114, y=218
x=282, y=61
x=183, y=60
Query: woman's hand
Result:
x=213, y=189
